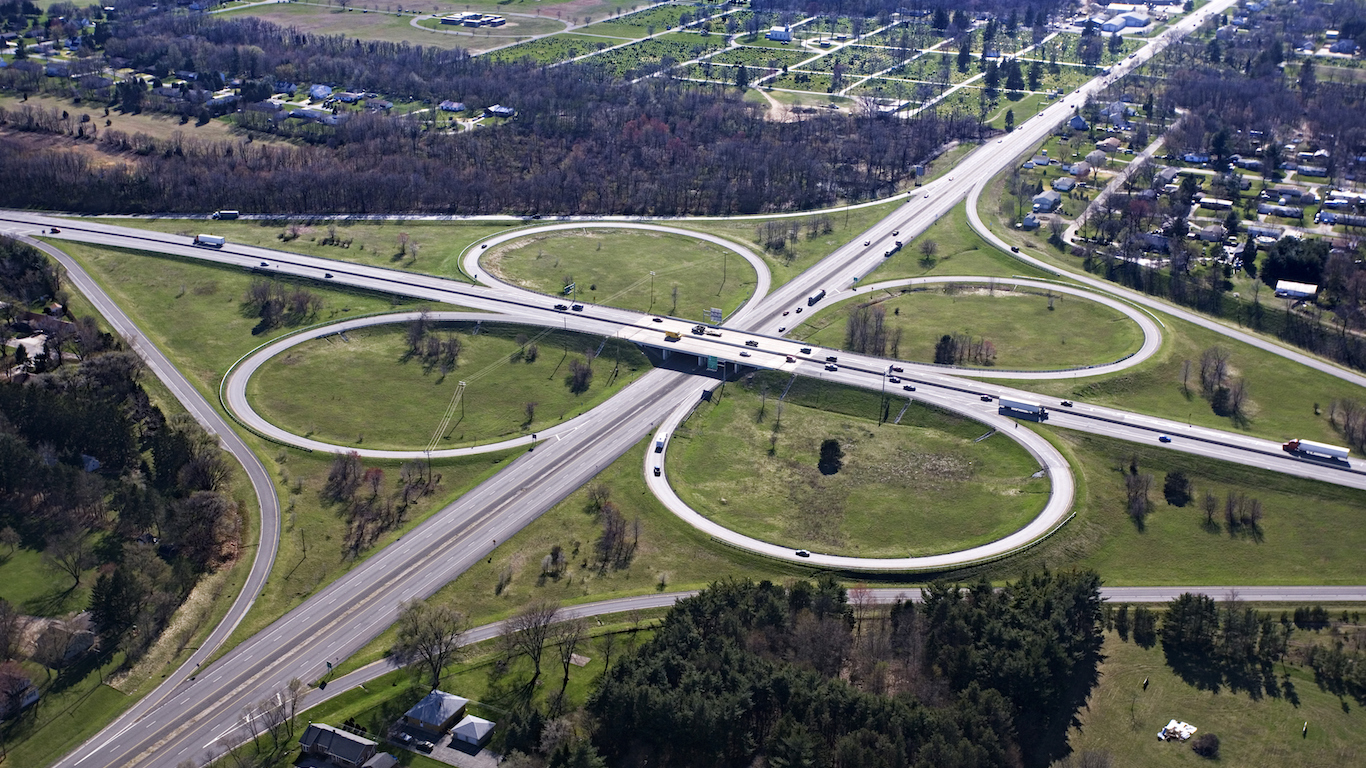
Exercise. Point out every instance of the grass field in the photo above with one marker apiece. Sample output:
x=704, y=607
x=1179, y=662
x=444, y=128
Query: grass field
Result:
x=1027, y=335
x=164, y=127
x=516, y=26
x=367, y=385
x=1281, y=396
x=958, y=251
x=1122, y=719
x=548, y=50
x=28, y=585
x=1311, y=532
x=434, y=247
x=614, y=267
x=361, y=22
x=917, y=488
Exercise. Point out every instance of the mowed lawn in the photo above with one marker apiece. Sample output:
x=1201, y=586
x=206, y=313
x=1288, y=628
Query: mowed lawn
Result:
x=921, y=487
x=1122, y=719
x=957, y=251
x=1026, y=333
x=359, y=23
x=366, y=390
x=427, y=247
x=613, y=267
x=1310, y=532
x=1285, y=400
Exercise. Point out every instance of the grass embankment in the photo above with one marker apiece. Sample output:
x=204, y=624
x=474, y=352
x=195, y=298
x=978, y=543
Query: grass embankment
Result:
x=1026, y=333
x=957, y=251
x=1311, y=532
x=1282, y=396
x=915, y=488
x=614, y=267
x=366, y=390
x=158, y=126
x=845, y=225
x=1122, y=718
x=431, y=248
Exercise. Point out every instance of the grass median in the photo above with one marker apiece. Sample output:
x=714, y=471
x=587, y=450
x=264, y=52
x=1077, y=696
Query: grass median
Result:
x=366, y=388
x=927, y=485
x=1028, y=329
x=632, y=269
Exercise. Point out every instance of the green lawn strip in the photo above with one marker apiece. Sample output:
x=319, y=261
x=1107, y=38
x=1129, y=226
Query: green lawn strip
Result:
x=1281, y=395
x=614, y=267
x=33, y=588
x=957, y=251
x=368, y=392
x=1122, y=718
x=669, y=555
x=917, y=488
x=75, y=705
x=1024, y=105
x=1310, y=534
x=1026, y=333
x=376, y=243
x=312, y=551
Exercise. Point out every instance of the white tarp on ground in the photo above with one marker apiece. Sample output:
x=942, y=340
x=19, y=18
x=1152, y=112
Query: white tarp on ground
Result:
x=1176, y=730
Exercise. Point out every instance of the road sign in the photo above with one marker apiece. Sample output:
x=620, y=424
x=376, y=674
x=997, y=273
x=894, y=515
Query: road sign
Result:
x=711, y=362
x=715, y=316
x=568, y=289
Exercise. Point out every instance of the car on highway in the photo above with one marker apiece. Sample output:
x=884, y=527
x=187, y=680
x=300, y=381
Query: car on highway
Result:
x=782, y=328
x=896, y=232
x=577, y=307
x=744, y=353
x=1067, y=403
x=751, y=343
x=1014, y=249
x=898, y=369
x=327, y=275
x=867, y=242
x=561, y=307
x=657, y=319
x=799, y=310
x=887, y=255
x=986, y=398
x=1164, y=438
x=831, y=367
x=909, y=388
x=894, y=379
x=786, y=312
x=806, y=350
x=485, y=245
x=998, y=141
x=264, y=264
x=803, y=553
x=657, y=471
x=832, y=359
x=791, y=359
x=927, y=194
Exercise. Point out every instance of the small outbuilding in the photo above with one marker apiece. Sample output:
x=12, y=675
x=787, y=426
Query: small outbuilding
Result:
x=473, y=730
x=779, y=34
x=437, y=712
x=1065, y=184
x=1289, y=289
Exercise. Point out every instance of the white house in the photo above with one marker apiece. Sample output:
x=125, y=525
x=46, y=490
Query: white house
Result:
x=781, y=34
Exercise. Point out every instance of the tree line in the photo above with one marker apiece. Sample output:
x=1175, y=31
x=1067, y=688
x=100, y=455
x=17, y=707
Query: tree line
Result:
x=371, y=509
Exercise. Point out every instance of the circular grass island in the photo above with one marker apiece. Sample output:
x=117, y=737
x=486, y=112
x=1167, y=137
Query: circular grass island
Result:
x=613, y=266
x=1024, y=331
x=366, y=388
x=924, y=486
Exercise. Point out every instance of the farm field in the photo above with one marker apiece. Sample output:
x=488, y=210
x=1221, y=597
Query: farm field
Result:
x=915, y=488
x=614, y=267
x=1027, y=333
x=368, y=384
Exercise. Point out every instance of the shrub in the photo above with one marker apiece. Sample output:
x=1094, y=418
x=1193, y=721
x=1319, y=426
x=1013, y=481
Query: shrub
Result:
x=1206, y=745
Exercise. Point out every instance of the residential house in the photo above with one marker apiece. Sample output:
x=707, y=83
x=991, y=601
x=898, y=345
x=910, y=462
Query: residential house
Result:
x=1030, y=222
x=1344, y=46
x=334, y=744
x=378, y=105
x=381, y=760
x=1312, y=170
x=18, y=690
x=1047, y=202
x=1154, y=241
x=436, y=712
x=1064, y=184
x=1345, y=219
x=498, y=110
x=473, y=730
x=1198, y=158
x=1078, y=123
x=1284, y=211
x=780, y=34
x=451, y=106
x=348, y=97
x=1166, y=176
x=1214, y=233
x=1041, y=161
x=1108, y=145
x=320, y=92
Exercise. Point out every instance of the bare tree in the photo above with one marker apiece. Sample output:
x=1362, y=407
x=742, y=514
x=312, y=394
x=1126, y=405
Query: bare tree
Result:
x=10, y=630
x=568, y=635
x=529, y=630
x=607, y=643
x=69, y=553
x=429, y=634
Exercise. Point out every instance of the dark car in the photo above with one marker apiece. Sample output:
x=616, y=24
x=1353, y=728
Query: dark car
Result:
x=803, y=553
x=751, y=343
x=898, y=368
x=909, y=388
x=264, y=264
x=1014, y=249
x=1067, y=403
x=986, y=398
x=327, y=275
x=485, y=245
x=425, y=746
x=657, y=471
x=577, y=307
x=799, y=310
x=561, y=307
x=1164, y=438
x=831, y=367
x=806, y=350
x=657, y=319
x=893, y=379
x=832, y=359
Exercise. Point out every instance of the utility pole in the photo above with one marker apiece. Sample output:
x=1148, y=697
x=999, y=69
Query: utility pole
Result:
x=652, y=290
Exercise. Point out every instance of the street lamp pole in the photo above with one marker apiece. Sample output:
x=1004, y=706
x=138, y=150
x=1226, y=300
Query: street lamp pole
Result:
x=652, y=290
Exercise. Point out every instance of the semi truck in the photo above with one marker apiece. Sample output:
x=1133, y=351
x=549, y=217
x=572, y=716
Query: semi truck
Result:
x=1311, y=448
x=1023, y=406
x=815, y=297
x=659, y=445
x=225, y=214
x=212, y=241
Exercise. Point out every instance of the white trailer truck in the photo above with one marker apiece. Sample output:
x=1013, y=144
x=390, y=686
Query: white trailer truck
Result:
x=1311, y=448
x=1023, y=406
x=212, y=241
